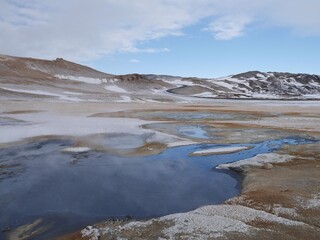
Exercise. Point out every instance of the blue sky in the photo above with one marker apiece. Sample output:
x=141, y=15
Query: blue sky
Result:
x=204, y=38
x=198, y=54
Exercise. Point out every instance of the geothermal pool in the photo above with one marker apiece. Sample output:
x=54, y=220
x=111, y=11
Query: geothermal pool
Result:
x=70, y=190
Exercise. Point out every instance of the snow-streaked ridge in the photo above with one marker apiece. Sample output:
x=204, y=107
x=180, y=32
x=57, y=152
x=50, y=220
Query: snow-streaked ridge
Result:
x=80, y=79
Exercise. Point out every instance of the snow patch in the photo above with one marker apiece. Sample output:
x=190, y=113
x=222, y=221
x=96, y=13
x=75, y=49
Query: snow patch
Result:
x=314, y=202
x=114, y=88
x=257, y=161
x=265, y=96
x=310, y=203
x=244, y=214
x=179, y=82
x=125, y=99
x=315, y=96
x=73, y=93
x=219, y=151
x=315, y=84
x=111, y=80
x=224, y=84
x=207, y=222
x=91, y=233
x=259, y=75
x=79, y=79
x=76, y=149
x=279, y=210
x=204, y=95
x=180, y=143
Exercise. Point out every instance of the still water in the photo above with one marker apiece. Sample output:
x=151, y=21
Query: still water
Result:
x=69, y=191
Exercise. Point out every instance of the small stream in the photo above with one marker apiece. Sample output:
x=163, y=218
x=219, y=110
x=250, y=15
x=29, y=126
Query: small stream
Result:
x=70, y=191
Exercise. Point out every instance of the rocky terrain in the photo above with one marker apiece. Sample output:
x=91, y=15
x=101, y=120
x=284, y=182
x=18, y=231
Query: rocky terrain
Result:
x=61, y=80
x=128, y=115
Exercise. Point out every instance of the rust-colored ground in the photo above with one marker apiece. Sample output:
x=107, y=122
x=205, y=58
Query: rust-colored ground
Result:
x=288, y=190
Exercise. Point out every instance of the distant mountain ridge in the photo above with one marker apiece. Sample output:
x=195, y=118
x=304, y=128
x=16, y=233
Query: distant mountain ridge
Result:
x=61, y=80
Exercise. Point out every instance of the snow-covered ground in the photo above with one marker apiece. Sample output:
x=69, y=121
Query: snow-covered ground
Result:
x=60, y=74
x=80, y=79
x=114, y=88
x=76, y=119
x=178, y=82
x=76, y=149
x=222, y=150
x=207, y=222
x=257, y=161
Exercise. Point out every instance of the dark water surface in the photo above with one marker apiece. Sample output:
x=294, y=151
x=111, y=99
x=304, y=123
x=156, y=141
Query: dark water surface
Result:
x=70, y=191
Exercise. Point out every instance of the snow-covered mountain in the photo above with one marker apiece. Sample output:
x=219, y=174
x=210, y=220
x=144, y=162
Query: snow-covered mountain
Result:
x=61, y=80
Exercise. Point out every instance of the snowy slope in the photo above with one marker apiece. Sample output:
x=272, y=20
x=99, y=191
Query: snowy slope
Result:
x=273, y=85
x=61, y=80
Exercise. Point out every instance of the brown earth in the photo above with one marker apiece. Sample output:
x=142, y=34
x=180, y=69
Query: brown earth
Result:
x=288, y=191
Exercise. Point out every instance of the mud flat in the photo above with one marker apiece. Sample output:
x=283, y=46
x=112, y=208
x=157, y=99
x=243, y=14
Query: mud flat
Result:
x=279, y=195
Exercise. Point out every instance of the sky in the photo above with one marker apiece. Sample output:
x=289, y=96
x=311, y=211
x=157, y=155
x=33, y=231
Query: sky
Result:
x=203, y=38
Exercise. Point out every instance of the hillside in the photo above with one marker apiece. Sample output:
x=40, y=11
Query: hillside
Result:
x=61, y=80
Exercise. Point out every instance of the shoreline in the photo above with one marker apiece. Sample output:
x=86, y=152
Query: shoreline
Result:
x=284, y=220
x=256, y=196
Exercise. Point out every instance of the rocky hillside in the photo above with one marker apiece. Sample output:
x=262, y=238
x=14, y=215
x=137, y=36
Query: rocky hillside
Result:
x=273, y=84
x=61, y=80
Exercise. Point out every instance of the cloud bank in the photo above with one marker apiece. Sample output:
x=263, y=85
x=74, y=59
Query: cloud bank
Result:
x=85, y=30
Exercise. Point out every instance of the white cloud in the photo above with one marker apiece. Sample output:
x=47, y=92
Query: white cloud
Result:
x=84, y=30
x=227, y=28
x=134, y=60
x=147, y=50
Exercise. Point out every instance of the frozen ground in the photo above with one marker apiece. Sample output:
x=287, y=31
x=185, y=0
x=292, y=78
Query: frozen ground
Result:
x=219, y=151
x=209, y=222
x=42, y=99
x=262, y=202
x=260, y=160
